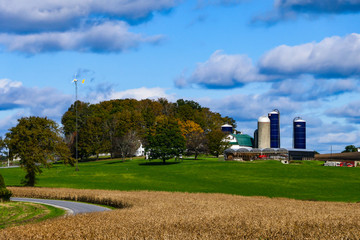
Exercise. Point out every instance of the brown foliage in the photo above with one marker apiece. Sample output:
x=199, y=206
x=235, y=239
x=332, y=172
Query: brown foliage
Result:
x=164, y=215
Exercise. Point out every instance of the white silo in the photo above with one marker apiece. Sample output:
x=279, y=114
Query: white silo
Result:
x=263, y=132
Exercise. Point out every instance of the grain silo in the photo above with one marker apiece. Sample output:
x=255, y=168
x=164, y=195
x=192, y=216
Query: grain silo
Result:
x=299, y=133
x=256, y=137
x=263, y=132
x=227, y=128
x=274, y=117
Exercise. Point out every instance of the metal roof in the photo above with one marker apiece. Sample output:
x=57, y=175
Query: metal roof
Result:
x=243, y=139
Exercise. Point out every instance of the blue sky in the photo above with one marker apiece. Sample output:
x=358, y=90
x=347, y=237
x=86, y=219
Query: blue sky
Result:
x=241, y=58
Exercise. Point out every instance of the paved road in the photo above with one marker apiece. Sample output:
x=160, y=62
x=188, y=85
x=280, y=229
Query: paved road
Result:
x=70, y=207
x=10, y=167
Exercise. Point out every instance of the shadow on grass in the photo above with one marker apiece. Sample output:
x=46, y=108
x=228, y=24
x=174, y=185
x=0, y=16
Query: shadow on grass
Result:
x=157, y=163
x=117, y=162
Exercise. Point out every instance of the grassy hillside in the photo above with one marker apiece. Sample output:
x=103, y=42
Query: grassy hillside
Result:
x=309, y=180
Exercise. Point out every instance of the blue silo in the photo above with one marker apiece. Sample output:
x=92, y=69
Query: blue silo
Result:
x=274, y=117
x=226, y=128
x=299, y=133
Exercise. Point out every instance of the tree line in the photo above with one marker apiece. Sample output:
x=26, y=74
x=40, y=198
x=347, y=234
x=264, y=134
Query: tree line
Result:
x=166, y=129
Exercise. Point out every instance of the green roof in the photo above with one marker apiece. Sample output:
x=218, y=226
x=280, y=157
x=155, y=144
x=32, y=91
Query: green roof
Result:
x=244, y=140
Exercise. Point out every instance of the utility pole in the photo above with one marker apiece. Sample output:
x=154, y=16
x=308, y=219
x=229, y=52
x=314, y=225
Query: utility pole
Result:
x=331, y=153
x=76, y=125
x=76, y=121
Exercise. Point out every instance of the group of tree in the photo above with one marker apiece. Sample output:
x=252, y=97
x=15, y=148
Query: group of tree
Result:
x=117, y=127
x=165, y=129
x=350, y=148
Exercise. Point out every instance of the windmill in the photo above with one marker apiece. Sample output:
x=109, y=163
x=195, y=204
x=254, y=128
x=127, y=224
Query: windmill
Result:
x=76, y=120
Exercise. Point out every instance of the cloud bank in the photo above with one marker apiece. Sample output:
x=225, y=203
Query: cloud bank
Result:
x=14, y=96
x=291, y=9
x=350, y=111
x=83, y=25
x=223, y=71
x=333, y=57
x=318, y=6
x=23, y=16
x=105, y=37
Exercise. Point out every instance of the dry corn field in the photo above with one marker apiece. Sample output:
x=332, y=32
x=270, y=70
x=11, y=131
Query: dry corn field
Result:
x=164, y=215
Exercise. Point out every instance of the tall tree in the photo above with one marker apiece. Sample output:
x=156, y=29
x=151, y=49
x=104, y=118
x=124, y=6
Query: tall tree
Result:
x=127, y=144
x=36, y=142
x=196, y=142
x=216, y=142
x=91, y=138
x=195, y=137
x=3, y=150
x=164, y=140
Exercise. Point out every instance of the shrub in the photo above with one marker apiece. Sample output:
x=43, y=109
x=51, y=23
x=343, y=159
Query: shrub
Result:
x=2, y=182
x=5, y=194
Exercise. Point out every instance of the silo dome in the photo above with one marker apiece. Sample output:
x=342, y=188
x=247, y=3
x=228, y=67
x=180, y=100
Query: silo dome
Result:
x=263, y=119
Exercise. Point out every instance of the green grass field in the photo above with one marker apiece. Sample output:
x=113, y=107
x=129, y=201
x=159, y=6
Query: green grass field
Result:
x=309, y=180
x=20, y=213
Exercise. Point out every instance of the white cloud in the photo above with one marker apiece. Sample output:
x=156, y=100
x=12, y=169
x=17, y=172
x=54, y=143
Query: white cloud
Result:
x=343, y=138
x=307, y=88
x=105, y=37
x=141, y=93
x=108, y=93
x=244, y=107
x=76, y=25
x=350, y=111
x=43, y=102
x=49, y=15
x=6, y=85
x=223, y=71
x=333, y=56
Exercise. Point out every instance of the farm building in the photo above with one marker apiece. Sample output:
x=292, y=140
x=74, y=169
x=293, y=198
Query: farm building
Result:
x=267, y=141
x=244, y=154
x=301, y=154
x=240, y=141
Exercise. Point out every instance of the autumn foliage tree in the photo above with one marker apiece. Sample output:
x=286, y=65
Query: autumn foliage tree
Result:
x=37, y=142
x=195, y=137
x=104, y=127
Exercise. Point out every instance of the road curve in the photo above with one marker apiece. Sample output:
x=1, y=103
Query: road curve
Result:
x=71, y=207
